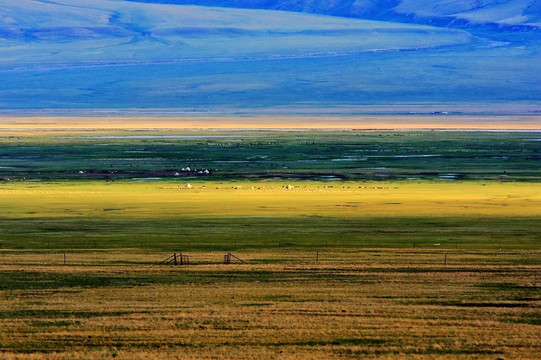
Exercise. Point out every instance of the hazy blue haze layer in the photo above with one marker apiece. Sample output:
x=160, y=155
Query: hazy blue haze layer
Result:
x=86, y=54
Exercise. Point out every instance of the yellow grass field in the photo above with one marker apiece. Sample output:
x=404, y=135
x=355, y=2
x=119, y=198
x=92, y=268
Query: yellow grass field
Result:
x=344, y=199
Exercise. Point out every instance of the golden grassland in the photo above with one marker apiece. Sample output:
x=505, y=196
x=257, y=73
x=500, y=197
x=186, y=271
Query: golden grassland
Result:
x=342, y=199
x=427, y=122
x=351, y=304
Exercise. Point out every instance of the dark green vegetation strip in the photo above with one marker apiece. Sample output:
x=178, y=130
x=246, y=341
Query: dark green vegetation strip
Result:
x=348, y=341
x=294, y=232
x=30, y=280
x=35, y=280
x=39, y=313
x=529, y=318
x=232, y=155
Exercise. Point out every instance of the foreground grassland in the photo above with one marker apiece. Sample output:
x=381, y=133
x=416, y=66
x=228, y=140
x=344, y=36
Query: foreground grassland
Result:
x=334, y=270
x=351, y=304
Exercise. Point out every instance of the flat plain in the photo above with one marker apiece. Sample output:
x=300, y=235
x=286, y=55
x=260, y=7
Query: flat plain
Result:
x=357, y=243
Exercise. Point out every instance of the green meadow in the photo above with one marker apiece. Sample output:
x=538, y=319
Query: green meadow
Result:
x=269, y=215
x=56, y=154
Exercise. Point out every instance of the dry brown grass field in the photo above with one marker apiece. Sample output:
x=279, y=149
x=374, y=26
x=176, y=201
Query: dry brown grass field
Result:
x=287, y=304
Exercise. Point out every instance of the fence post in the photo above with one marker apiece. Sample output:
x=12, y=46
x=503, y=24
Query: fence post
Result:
x=317, y=257
x=445, y=259
x=175, y=257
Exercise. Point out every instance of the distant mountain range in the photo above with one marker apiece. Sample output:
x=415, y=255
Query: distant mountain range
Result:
x=261, y=55
x=509, y=14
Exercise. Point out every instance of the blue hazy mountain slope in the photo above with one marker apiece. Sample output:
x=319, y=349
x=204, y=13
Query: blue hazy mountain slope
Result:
x=435, y=12
x=114, y=54
x=114, y=32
